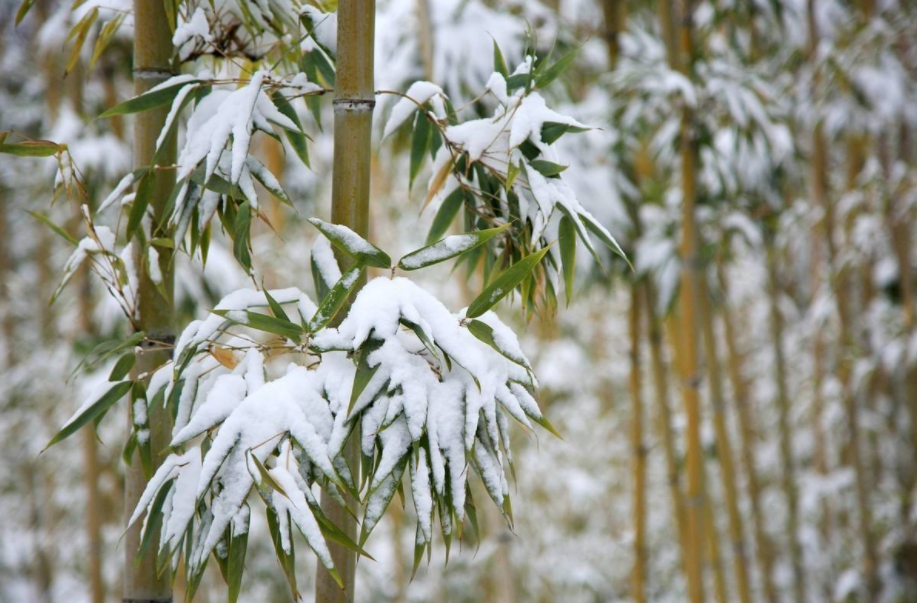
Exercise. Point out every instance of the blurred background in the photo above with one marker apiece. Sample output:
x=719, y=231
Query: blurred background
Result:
x=804, y=114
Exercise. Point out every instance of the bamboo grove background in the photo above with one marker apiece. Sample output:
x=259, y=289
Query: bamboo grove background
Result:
x=739, y=411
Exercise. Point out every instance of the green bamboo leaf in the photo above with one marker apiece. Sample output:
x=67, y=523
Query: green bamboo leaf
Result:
x=266, y=476
x=499, y=62
x=551, y=131
x=32, y=148
x=122, y=367
x=554, y=71
x=236, y=565
x=446, y=214
x=240, y=236
x=604, y=236
x=420, y=142
x=485, y=333
x=504, y=284
x=448, y=248
x=151, y=526
x=264, y=323
x=364, y=373
x=543, y=421
x=107, y=349
x=148, y=100
x=24, y=9
x=100, y=406
x=297, y=139
x=276, y=308
x=567, y=240
x=422, y=336
x=353, y=244
x=418, y=557
x=287, y=562
x=268, y=180
x=105, y=38
x=140, y=203
x=332, y=303
x=548, y=169
x=50, y=224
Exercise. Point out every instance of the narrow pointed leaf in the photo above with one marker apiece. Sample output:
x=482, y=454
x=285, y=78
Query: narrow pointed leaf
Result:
x=567, y=240
x=448, y=248
x=505, y=283
x=115, y=393
x=353, y=244
x=335, y=299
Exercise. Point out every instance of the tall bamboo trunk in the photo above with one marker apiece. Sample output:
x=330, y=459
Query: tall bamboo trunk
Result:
x=152, y=65
x=715, y=556
x=638, y=449
x=664, y=420
x=763, y=546
x=687, y=349
x=788, y=475
x=7, y=318
x=724, y=449
x=615, y=13
x=354, y=99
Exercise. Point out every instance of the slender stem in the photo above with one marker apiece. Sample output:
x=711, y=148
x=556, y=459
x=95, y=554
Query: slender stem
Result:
x=152, y=65
x=354, y=99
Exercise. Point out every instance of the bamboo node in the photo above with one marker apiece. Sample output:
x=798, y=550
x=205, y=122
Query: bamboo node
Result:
x=354, y=105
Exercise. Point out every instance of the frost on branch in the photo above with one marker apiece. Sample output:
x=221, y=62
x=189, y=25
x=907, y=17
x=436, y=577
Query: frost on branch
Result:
x=264, y=397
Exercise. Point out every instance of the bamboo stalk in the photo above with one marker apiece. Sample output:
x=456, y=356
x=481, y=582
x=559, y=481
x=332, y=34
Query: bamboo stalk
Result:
x=152, y=65
x=638, y=449
x=690, y=376
x=763, y=546
x=724, y=448
x=788, y=476
x=664, y=420
x=615, y=12
x=354, y=99
x=712, y=539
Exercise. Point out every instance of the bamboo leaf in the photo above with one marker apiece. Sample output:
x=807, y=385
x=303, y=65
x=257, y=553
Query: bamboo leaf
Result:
x=81, y=30
x=448, y=248
x=548, y=169
x=240, y=236
x=567, y=240
x=364, y=373
x=263, y=322
x=499, y=62
x=122, y=367
x=551, y=131
x=151, y=527
x=141, y=201
x=604, y=236
x=276, y=308
x=438, y=181
x=287, y=562
x=353, y=244
x=332, y=303
x=554, y=71
x=266, y=475
x=485, y=333
x=32, y=148
x=505, y=283
x=148, y=100
x=446, y=214
x=105, y=37
x=50, y=224
x=100, y=406
x=236, y=566
x=297, y=139
x=420, y=142
x=24, y=9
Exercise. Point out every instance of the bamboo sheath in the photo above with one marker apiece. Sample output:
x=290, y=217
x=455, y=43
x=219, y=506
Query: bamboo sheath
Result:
x=152, y=65
x=354, y=99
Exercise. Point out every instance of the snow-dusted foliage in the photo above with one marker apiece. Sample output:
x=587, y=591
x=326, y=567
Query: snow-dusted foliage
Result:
x=264, y=396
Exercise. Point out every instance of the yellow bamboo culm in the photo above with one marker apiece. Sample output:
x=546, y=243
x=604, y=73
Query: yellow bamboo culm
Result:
x=763, y=546
x=354, y=100
x=152, y=66
x=664, y=419
x=724, y=448
x=638, y=449
x=687, y=347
